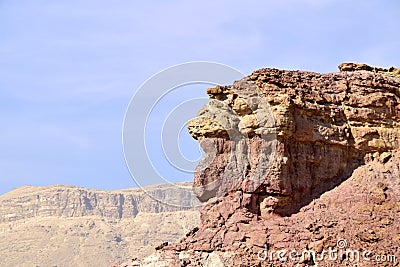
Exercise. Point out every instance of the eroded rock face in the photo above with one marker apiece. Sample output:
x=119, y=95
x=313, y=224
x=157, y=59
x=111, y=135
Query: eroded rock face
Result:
x=326, y=160
x=362, y=212
x=321, y=128
x=237, y=132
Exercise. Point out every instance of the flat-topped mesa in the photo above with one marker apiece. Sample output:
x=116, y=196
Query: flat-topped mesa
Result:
x=72, y=202
x=317, y=129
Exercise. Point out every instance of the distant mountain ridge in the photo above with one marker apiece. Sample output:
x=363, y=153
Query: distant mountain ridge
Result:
x=72, y=201
x=73, y=226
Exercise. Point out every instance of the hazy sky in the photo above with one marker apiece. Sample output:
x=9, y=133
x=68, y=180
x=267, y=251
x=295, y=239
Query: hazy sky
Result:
x=68, y=69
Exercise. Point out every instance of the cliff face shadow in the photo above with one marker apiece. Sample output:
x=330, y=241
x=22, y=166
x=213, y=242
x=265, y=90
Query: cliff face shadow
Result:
x=309, y=182
x=311, y=169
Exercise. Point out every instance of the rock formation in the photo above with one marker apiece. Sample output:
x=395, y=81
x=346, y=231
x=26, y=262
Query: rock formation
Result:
x=296, y=161
x=74, y=226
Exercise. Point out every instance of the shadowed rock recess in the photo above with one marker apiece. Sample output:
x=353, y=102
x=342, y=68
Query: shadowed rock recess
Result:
x=296, y=161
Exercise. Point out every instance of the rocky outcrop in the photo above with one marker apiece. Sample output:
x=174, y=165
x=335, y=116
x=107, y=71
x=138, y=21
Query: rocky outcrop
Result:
x=74, y=226
x=359, y=216
x=299, y=161
x=356, y=66
x=321, y=128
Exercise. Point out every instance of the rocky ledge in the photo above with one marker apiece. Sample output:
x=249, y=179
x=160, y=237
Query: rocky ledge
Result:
x=296, y=161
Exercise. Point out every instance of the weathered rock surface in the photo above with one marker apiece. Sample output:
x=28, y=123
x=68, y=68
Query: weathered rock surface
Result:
x=364, y=210
x=329, y=150
x=325, y=125
x=73, y=226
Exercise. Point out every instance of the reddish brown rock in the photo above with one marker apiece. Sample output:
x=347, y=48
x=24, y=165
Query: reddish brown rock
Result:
x=297, y=161
x=348, y=213
x=324, y=127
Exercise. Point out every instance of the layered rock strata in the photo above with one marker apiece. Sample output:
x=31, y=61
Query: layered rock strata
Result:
x=324, y=125
x=296, y=160
x=68, y=201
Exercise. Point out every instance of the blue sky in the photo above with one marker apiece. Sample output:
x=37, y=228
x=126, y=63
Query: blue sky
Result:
x=68, y=69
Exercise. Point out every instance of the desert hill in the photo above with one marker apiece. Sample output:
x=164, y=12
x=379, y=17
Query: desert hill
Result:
x=73, y=226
